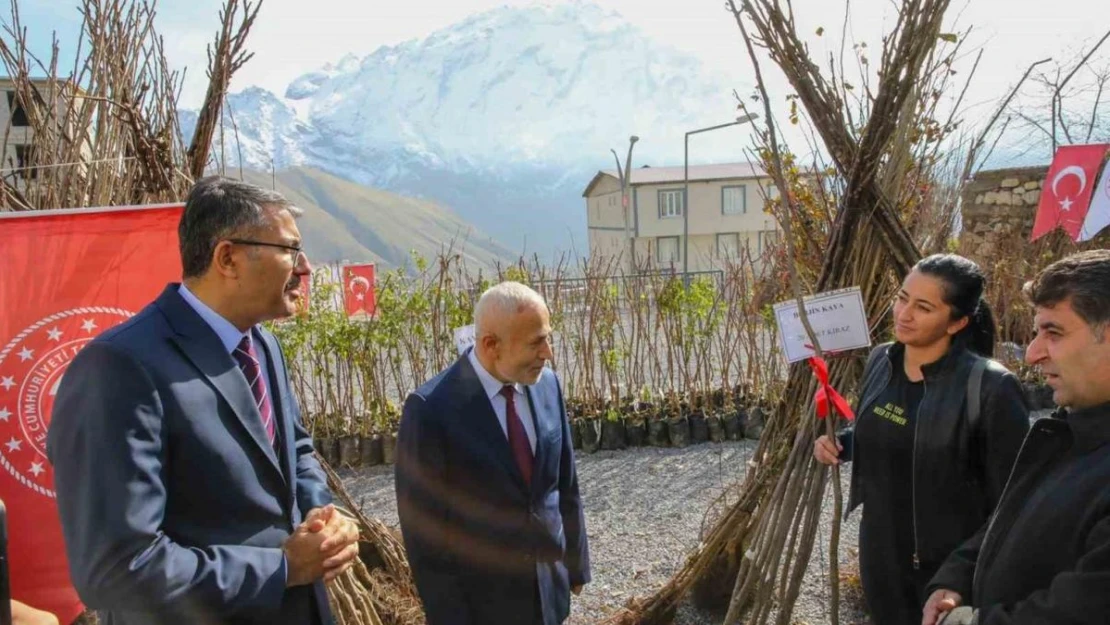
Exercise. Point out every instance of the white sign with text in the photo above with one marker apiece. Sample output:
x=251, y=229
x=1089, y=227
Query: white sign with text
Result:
x=464, y=338
x=837, y=318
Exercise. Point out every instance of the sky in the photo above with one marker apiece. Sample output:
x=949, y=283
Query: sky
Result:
x=292, y=37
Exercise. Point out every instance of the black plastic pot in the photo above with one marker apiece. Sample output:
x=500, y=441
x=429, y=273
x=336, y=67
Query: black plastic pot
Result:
x=328, y=448
x=716, y=429
x=1040, y=396
x=733, y=424
x=753, y=427
x=636, y=431
x=613, y=434
x=590, y=435
x=657, y=433
x=371, y=450
x=679, y=430
x=576, y=434
x=348, y=451
x=699, y=430
x=389, y=448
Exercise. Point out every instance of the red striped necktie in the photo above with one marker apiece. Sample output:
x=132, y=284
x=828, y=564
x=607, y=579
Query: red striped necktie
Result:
x=252, y=370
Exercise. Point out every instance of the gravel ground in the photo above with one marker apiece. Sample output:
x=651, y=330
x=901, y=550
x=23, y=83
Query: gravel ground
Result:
x=644, y=512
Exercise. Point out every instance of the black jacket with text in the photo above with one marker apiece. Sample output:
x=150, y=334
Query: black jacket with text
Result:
x=959, y=468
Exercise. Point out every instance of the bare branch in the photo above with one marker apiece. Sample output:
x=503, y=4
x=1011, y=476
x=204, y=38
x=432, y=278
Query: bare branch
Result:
x=1101, y=81
x=225, y=57
x=973, y=151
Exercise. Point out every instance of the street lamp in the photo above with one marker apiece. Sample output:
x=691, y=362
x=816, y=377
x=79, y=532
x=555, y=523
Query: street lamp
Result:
x=625, y=176
x=686, y=189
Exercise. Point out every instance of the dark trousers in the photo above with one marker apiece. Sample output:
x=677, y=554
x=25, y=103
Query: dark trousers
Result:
x=893, y=588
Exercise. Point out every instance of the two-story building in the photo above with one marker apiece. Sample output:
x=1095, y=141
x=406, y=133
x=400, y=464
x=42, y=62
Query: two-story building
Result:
x=726, y=216
x=19, y=165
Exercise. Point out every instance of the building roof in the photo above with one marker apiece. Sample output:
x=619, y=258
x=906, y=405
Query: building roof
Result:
x=700, y=173
x=43, y=81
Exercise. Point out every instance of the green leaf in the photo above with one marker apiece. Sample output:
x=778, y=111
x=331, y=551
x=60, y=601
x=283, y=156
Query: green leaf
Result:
x=949, y=37
x=820, y=30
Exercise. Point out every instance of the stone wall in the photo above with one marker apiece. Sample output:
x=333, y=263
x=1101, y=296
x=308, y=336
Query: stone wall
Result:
x=998, y=204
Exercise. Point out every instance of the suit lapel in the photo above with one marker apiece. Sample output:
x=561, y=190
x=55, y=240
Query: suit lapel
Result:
x=283, y=422
x=484, y=420
x=540, y=412
x=200, y=345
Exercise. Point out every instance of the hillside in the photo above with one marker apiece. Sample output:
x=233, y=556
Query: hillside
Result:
x=344, y=220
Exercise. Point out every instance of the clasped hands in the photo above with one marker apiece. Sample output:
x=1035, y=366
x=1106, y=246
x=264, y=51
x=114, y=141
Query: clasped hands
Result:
x=323, y=546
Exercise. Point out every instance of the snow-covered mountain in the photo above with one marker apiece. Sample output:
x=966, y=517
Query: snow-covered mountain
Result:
x=504, y=117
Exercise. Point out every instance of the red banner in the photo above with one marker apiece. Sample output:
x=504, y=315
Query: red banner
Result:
x=68, y=276
x=1066, y=191
x=358, y=290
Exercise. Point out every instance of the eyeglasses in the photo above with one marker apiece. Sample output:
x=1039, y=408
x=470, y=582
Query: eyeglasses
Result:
x=294, y=250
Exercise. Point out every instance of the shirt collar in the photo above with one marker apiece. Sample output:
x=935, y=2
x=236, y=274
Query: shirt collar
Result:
x=491, y=384
x=229, y=335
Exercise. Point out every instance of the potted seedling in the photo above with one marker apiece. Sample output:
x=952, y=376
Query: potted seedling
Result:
x=391, y=419
x=635, y=420
x=369, y=444
x=591, y=429
x=699, y=429
x=612, y=429
x=678, y=426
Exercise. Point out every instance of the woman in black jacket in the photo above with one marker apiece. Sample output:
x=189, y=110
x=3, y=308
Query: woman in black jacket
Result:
x=937, y=429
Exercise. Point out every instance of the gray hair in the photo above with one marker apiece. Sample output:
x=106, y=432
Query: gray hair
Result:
x=503, y=300
x=218, y=208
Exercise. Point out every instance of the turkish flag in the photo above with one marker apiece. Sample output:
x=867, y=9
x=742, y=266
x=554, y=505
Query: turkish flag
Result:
x=1066, y=192
x=358, y=290
x=68, y=276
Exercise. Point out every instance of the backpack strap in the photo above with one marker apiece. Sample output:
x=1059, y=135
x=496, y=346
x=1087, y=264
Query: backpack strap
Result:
x=879, y=352
x=975, y=392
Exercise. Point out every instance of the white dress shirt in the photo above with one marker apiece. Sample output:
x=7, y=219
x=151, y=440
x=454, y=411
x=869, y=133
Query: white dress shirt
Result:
x=520, y=400
x=229, y=335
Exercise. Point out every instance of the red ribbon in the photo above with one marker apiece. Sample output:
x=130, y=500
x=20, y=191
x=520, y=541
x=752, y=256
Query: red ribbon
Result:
x=827, y=394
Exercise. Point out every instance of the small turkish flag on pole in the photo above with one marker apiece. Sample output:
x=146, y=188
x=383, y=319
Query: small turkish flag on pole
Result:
x=358, y=290
x=1066, y=192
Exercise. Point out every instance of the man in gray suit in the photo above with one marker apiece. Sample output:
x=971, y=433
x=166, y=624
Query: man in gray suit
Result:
x=186, y=483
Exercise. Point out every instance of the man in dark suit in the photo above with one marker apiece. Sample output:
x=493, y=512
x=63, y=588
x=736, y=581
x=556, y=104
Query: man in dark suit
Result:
x=487, y=491
x=186, y=484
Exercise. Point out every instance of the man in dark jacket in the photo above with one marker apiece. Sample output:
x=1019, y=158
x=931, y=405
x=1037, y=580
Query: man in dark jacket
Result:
x=487, y=492
x=1044, y=557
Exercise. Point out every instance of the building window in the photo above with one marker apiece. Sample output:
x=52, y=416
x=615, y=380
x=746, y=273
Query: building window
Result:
x=18, y=115
x=666, y=250
x=734, y=200
x=670, y=203
x=23, y=158
x=772, y=191
x=728, y=245
x=767, y=238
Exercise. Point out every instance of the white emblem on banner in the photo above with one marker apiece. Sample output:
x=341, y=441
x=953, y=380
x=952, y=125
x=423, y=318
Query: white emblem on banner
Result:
x=31, y=368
